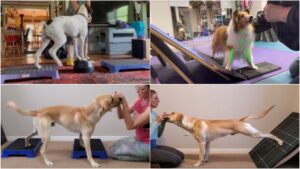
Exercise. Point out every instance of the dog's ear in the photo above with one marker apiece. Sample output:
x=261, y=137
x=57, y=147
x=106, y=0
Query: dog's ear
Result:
x=105, y=102
x=179, y=117
x=248, y=11
x=235, y=20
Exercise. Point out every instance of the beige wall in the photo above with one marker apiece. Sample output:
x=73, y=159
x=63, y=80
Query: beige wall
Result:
x=225, y=102
x=161, y=16
x=32, y=97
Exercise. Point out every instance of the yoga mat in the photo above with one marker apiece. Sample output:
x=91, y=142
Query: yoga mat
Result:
x=281, y=58
x=273, y=45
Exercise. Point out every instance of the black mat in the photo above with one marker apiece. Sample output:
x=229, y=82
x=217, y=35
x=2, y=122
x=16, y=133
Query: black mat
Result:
x=268, y=154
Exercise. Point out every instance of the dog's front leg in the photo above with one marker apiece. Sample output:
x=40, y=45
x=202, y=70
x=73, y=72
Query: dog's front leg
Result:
x=206, y=152
x=250, y=59
x=81, y=44
x=228, y=59
x=86, y=139
x=76, y=49
x=201, y=144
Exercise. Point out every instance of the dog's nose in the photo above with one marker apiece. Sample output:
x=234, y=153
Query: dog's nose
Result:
x=250, y=18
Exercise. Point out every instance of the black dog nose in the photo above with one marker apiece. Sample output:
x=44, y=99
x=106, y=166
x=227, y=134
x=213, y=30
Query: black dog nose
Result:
x=250, y=18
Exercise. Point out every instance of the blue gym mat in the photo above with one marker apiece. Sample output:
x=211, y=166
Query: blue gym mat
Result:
x=281, y=78
x=273, y=45
x=115, y=65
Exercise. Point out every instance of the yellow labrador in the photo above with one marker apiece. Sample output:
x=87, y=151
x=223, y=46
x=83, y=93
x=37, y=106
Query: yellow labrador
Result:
x=204, y=131
x=77, y=119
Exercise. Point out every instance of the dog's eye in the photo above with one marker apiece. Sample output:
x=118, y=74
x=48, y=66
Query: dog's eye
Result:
x=172, y=113
x=242, y=16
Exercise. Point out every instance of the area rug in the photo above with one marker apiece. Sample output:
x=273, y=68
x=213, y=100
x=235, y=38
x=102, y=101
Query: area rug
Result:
x=99, y=76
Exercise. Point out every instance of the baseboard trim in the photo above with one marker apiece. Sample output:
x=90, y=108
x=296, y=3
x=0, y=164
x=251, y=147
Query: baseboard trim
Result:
x=71, y=138
x=217, y=150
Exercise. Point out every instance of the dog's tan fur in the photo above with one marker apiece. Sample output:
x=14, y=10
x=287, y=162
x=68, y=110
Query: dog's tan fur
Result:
x=77, y=119
x=223, y=40
x=204, y=131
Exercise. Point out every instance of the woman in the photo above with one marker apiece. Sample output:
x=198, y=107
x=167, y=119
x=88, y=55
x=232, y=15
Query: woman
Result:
x=134, y=148
x=73, y=8
x=165, y=157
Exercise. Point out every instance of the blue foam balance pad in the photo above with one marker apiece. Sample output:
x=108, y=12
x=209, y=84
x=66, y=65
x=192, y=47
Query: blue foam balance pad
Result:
x=97, y=149
x=17, y=148
x=29, y=71
x=116, y=65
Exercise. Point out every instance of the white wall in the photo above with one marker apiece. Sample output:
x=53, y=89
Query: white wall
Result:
x=31, y=97
x=161, y=16
x=225, y=102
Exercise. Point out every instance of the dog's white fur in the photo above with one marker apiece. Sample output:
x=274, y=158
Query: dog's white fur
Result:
x=205, y=131
x=75, y=26
x=238, y=35
x=77, y=119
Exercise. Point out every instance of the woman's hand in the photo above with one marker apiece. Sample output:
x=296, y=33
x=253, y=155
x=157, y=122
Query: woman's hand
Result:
x=276, y=13
x=161, y=118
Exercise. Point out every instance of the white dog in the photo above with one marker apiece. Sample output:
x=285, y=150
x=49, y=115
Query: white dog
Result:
x=75, y=26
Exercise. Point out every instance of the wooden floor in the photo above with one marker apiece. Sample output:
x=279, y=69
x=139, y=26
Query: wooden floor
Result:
x=16, y=59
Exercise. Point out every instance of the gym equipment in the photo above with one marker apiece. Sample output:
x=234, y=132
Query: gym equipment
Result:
x=114, y=41
x=83, y=66
x=97, y=149
x=17, y=148
x=268, y=154
x=3, y=137
x=139, y=48
x=159, y=39
x=61, y=52
x=29, y=71
x=116, y=65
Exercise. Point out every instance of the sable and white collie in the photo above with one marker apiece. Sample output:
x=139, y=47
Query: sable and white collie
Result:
x=236, y=40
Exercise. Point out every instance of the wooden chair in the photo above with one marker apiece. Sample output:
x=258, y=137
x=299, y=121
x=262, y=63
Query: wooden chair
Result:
x=10, y=41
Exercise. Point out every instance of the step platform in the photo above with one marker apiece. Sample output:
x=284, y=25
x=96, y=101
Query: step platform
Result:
x=29, y=71
x=115, y=65
x=17, y=148
x=97, y=148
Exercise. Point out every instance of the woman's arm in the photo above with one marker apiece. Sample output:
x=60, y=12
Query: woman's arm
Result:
x=131, y=123
x=120, y=110
x=75, y=5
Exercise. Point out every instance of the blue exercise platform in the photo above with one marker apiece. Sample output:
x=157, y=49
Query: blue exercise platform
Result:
x=116, y=65
x=17, y=148
x=97, y=149
x=29, y=71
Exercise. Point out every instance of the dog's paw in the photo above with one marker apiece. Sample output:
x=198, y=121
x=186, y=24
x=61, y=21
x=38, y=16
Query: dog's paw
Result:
x=49, y=163
x=60, y=64
x=254, y=67
x=196, y=165
x=94, y=164
x=280, y=142
x=38, y=66
x=228, y=67
x=27, y=145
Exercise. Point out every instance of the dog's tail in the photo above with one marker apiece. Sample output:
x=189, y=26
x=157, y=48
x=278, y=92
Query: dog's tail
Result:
x=257, y=115
x=14, y=106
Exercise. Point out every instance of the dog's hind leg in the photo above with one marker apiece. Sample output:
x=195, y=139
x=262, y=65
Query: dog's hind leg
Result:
x=249, y=130
x=39, y=53
x=44, y=126
x=59, y=41
x=86, y=140
x=27, y=139
x=81, y=141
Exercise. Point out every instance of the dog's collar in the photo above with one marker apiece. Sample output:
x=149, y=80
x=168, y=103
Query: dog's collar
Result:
x=83, y=16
